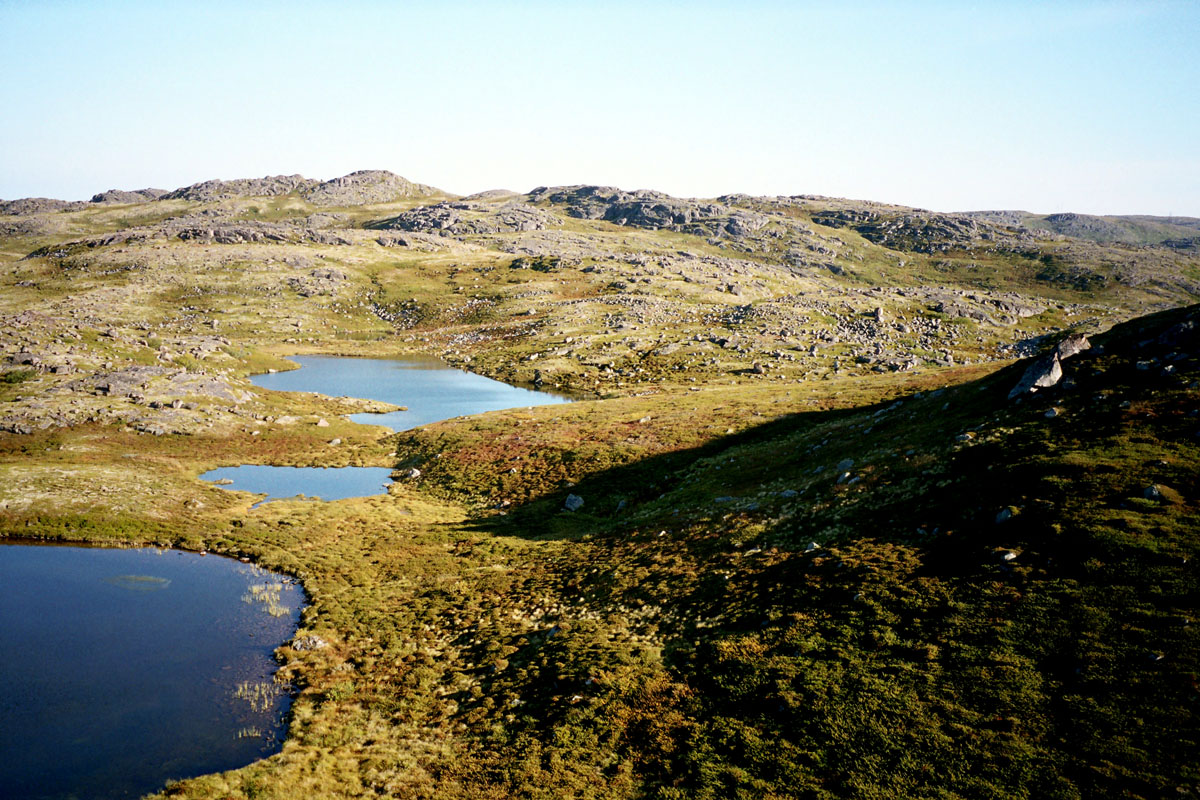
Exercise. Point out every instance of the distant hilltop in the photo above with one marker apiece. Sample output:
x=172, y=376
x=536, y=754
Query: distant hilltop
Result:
x=1125, y=229
x=640, y=208
x=358, y=188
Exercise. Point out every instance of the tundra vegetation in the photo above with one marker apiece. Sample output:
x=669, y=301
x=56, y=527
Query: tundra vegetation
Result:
x=798, y=538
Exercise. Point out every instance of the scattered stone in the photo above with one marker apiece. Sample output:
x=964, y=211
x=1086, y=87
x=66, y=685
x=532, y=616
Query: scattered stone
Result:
x=309, y=642
x=573, y=502
x=322, y=423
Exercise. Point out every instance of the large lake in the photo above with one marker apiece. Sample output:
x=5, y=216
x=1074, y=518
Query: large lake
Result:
x=123, y=669
x=430, y=389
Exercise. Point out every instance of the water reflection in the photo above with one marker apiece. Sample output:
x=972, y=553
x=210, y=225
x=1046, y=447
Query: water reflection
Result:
x=316, y=482
x=123, y=669
x=429, y=389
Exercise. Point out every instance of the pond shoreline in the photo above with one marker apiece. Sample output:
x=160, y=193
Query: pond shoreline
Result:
x=161, y=640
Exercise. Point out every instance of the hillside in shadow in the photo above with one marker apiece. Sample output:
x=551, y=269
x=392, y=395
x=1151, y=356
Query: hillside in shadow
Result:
x=957, y=595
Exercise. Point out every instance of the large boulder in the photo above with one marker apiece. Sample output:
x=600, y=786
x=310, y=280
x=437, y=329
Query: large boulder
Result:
x=1043, y=372
x=1047, y=370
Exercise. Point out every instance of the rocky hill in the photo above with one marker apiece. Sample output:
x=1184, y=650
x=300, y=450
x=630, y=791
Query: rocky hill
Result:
x=857, y=500
x=1133, y=229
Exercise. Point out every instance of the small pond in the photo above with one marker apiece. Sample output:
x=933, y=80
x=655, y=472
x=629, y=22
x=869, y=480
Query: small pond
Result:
x=122, y=669
x=430, y=390
x=319, y=482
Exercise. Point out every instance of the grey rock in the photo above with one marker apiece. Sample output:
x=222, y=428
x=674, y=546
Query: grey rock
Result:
x=121, y=196
x=466, y=218
x=1043, y=372
x=1072, y=345
x=365, y=187
x=1047, y=370
x=573, y=502
x=38, y=205
x=309, y=642
x=325, y=237
x=270, y=186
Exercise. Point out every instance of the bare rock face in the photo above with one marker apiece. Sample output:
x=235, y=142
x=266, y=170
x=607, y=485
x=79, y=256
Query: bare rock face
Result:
x=270, y=186
x=365, y=187
x=161, y=382
x=461, y=218
x=38, y=205
x=226, y=233
x=121, y=196
x=357, y=188
x=652, y=210
x=919, y=231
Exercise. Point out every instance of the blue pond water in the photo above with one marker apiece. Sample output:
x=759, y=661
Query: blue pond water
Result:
x=119, y=669
x=428, y=388
x=324, y=483
x=431, y=390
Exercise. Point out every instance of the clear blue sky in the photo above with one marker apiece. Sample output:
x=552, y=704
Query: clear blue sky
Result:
x=1046, y=106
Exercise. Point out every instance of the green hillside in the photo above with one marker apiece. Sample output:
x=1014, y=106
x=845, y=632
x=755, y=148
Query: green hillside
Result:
x=824, y=548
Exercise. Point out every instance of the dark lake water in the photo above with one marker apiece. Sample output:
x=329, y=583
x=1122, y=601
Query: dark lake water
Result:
x=427, y=387
x=431, y=390
x=123, y=669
